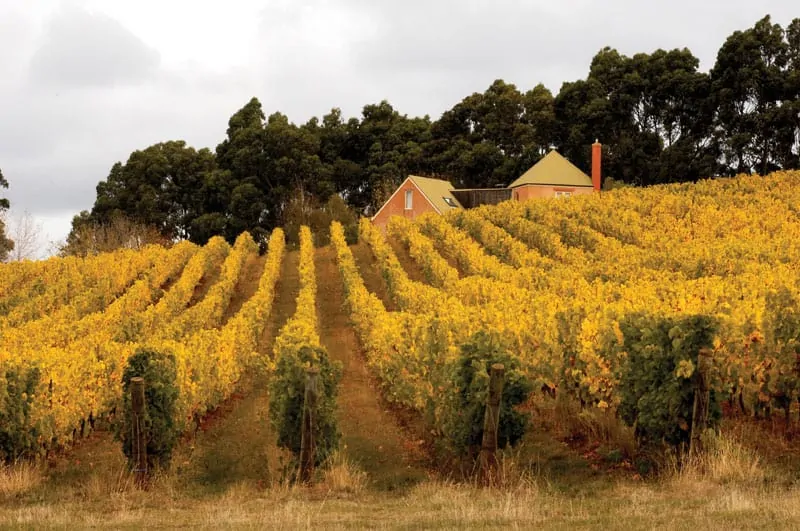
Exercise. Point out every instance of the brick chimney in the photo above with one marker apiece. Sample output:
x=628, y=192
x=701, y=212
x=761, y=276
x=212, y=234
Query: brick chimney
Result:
x=597, y=155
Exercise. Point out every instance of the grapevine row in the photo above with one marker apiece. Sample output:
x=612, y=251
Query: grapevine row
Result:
x=302, y=328
x=82, y=377
x=74, y=286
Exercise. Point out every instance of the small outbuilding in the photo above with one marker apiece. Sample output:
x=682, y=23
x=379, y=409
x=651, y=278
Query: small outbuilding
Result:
x=553, y=176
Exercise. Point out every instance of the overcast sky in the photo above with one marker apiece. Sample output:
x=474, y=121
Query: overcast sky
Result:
x=85, y=82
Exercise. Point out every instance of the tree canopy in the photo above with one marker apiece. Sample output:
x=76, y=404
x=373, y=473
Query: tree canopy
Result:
x=6, y=245
x=658, y=116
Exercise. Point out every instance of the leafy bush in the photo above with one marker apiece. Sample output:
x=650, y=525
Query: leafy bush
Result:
x=781, y=325
x=658, y=379
x=287, y=394
x=160, y=395
x=89, y=237
x=466, y=407
x=17, y=436
x=305, y=210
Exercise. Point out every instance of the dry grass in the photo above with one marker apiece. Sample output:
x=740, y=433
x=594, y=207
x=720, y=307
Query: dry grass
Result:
x=726, y=461
x=567, y=418
x=18, y=479
x=342, y=476
x=429, y=505
x=730, y=488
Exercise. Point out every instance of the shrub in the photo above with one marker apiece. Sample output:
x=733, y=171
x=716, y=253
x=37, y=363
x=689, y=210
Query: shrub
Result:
x=781, y=345
x=464, y=416
x=337, y=210
x=160, y=394
x=303, y=209
x=287, y=393
x=88, y=236
x=17, y=437
x=658, y=379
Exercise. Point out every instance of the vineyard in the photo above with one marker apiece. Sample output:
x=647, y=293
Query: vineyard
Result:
x=562, y=282
x=598, y=299
x=62, y=368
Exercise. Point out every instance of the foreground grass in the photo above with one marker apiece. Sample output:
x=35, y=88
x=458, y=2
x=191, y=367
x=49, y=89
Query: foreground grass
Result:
x=730, y=489
x=228, y=477
x=670, y=504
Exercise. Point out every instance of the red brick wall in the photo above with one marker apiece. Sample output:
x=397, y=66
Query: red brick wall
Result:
x=530, y=191
x=396, y=205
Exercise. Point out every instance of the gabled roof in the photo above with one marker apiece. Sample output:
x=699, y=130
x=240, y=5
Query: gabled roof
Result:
x=553, y=170
x=437, y=191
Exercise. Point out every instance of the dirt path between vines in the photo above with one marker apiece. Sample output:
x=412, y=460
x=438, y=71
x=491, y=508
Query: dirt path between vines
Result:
x=246, y=285
x=236, y=444
x=370, y=434
x=234, y=447
x=370, y=272
x=413, y=269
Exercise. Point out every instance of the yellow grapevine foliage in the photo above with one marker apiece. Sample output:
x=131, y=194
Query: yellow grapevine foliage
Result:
x=400, y=346
x=244, y=332
x=409, y=295
x=559, y=276
x=179, y=296
x=437, y=270
x=296, y=349
x=208, y=313
x=20, y=276
x=449, y=316
x=211, y=361
x=63, y=327
x=471, y=289
x=73, y=358
x=81, y=374
x=72, y=286
x=718, y=247
x=475, y=261
x=301, y=328
x=498, y=242
x=469, y=254
x=469, y=303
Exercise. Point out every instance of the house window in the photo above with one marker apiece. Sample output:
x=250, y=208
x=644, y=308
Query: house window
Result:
x=409, y=199
x=562, y=193
x=450, y=202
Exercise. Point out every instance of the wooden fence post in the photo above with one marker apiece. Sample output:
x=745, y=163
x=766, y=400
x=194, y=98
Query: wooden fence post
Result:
x=308, y=447
x=702, y=398
x=139, y=441
x=491, y=423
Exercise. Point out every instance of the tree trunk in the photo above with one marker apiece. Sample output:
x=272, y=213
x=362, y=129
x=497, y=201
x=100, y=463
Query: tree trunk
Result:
x=702, y=396
x=139, y=436
x=307, y=442
x=491, y=423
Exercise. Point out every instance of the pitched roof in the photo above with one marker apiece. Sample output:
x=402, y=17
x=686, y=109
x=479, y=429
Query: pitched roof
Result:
x=553, y=170
x=437, y=191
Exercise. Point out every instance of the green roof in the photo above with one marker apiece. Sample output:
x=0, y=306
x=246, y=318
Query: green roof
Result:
x=438, y=192
x=553, y=170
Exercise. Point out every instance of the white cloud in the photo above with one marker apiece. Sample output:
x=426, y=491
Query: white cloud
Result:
x=85, y=82
x=83, y=49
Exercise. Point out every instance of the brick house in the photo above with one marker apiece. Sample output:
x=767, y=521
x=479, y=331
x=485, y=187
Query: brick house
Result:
x=552, y=176
x=417, y=196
